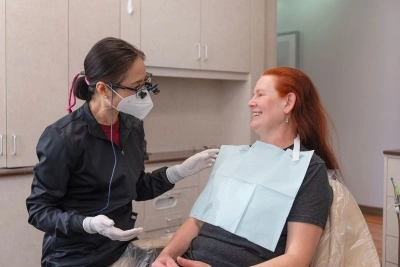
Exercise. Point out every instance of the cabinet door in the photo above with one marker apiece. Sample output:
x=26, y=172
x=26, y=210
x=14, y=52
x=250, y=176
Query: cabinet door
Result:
x=130, y=21
x=170, y=33
x=37, y=62
x=89, y=22
x=2, y=84
x=225, y=34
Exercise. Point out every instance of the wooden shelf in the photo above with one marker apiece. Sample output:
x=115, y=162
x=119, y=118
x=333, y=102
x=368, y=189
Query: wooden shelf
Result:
x=394, y=152
x=159, y=157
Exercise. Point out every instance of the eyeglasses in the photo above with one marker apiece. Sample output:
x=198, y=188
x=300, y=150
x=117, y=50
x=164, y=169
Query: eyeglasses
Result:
x=139, y=89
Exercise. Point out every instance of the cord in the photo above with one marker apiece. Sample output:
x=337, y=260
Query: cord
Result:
x=115, y=161
x=396, y=208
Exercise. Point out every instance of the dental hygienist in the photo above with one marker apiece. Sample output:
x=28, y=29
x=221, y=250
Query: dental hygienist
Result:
x=91, y=162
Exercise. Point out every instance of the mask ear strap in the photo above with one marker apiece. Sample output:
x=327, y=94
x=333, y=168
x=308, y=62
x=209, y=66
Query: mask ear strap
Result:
x=112, y=96
x=113, y=91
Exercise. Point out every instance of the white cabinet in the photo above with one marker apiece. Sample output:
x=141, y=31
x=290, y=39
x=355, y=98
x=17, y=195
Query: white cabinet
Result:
x=390, y=241
x=164, y=214
x=197, y=34
x=93, y=20
x=225, y=33
x=130, y=21
x=90, y=21
x=21, y=242
x=43, y=44
x=3, y=100
x=170, y=33
x=36, y=63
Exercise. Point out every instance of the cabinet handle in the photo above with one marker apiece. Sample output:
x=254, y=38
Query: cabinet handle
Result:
x=175, y=194
x=205, y=52
x=198, y=52
x=129, y=7
x=165, y=202
x=1, y=144
x=14, y=137
x=173, y=219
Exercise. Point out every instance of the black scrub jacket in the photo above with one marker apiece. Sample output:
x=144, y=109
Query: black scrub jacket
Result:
x=71, y=182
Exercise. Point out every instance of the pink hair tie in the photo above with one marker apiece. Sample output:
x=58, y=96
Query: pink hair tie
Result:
x=86, y=80
x=71, y=94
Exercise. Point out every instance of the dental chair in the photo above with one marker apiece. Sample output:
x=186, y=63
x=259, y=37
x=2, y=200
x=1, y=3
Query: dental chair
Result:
x=345, y=242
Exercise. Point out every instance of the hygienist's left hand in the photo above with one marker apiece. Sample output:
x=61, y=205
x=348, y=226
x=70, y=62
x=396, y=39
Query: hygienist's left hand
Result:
x=194, y=164
x=189, y=263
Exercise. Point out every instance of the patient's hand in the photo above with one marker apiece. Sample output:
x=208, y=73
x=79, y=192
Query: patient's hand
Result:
x=189, y=263
x=164, y=261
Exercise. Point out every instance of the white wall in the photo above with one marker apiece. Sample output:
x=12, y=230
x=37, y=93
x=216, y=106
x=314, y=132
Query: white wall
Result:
x=351, y=50
x=186, y=114
x=192, y=113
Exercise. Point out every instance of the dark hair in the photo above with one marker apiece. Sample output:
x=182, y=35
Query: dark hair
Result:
x=107, y=61
x=308, y=114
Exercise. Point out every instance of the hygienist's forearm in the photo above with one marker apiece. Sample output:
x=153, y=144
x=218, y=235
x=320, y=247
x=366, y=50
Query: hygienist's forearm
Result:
x=182, y=238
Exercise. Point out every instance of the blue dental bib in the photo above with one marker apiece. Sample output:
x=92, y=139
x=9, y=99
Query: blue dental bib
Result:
x=251, y=190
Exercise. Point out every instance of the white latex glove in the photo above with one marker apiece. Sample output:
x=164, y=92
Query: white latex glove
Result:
x=103, y=225
x=194, y=164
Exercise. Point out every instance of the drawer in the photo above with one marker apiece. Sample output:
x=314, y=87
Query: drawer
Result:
x=138, y=207
x=392, y=225
x=189, y=181
x=159, y=233
x=171, y=202
x=391, y=249
x=165, y=221
x=153, y=167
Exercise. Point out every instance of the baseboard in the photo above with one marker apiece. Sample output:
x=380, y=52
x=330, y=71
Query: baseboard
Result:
x=374, y=211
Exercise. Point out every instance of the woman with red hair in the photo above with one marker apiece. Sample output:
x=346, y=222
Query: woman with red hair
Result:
x=292, y=154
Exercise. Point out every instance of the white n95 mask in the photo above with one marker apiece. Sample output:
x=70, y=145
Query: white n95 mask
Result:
x=135, y=105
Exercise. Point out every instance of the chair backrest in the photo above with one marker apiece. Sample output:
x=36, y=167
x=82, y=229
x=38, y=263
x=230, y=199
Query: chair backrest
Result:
x=346, y=240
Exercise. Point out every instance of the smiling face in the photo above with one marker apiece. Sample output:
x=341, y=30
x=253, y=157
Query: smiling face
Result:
x=268, y=109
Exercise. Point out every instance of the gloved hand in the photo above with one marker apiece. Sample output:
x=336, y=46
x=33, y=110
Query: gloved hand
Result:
x=192, y=165
x=103, y=225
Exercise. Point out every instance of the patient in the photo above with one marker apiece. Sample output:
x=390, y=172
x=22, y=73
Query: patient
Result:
x=265, y=204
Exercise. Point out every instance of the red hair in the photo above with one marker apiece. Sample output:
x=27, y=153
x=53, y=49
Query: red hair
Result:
x=308, y=114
